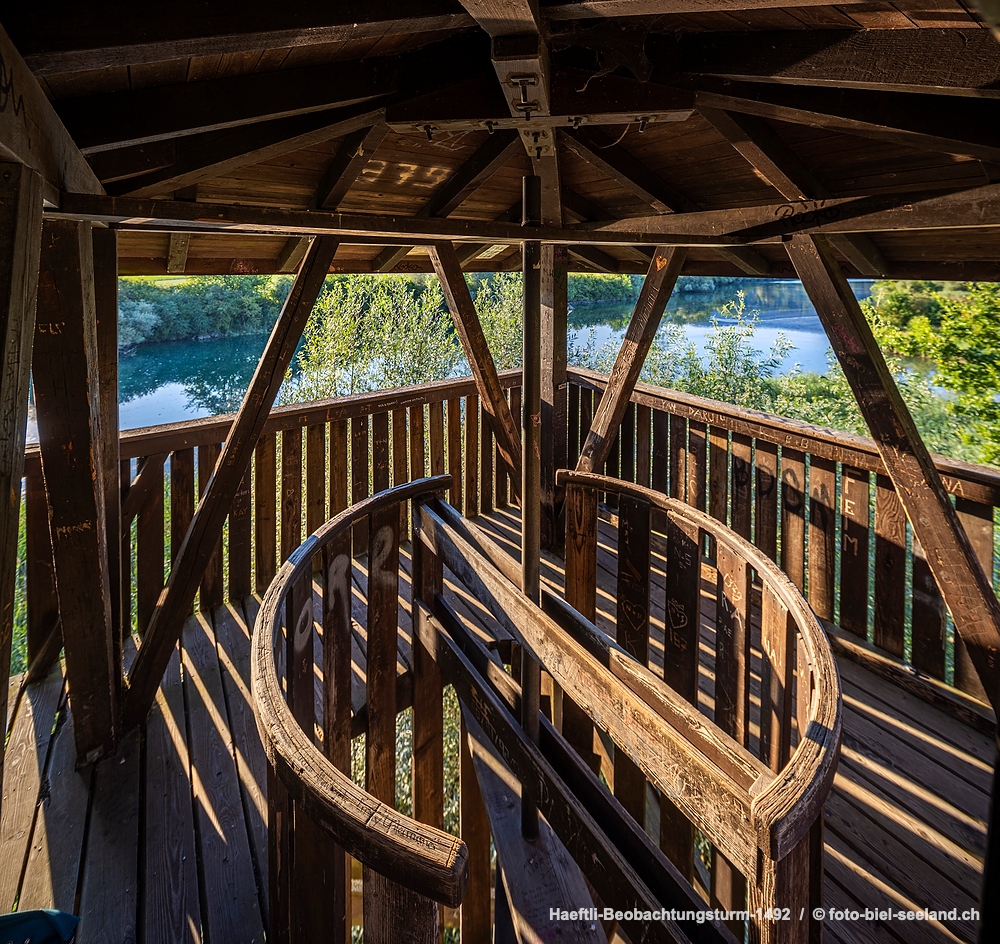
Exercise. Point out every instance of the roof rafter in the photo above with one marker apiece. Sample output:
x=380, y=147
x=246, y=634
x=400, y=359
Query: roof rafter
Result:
x=781, y=167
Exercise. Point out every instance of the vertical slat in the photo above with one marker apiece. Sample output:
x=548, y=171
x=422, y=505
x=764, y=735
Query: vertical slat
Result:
x=43, y=605
x=777, y=644
x=380, y=452
x=626, y=445
x=265, y=501
x=718, y=474
x=211, y=582
x=632, y=630
x=766, y=498
x=339, y=499
x=741, y=487
x=732, y=698
x=783, y=884
x=586, y=416
x=697, y=465
x=854, y=505
x=581, y=594
x=928, y=621
x=793, y=516
x=125, y=477
x=337, y=688
x=661, y=463
x=279, y=848
x=977, y=519
x=573, y=430
x=149, y=552
x=682, y=620
x=471, y=456
x=455, y=453
x=400, y=462
x=486, y=488
x=678, y=457
x=890, y=567
x=643, y=445
x=239, y=542
x=291, y=491
x=315, y=476
x=435, y=423
x=418, y=447
x=380, y=742
x=359, y=477
x=475, y=918
x=822, y=535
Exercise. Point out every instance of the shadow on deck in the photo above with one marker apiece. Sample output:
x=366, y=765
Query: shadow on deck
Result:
x=167, y=841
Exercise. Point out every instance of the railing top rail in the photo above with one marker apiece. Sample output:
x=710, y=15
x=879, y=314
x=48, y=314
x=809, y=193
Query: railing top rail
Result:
x=781, y=811
x=166, y=437
x=412, y=854
x=965, y=479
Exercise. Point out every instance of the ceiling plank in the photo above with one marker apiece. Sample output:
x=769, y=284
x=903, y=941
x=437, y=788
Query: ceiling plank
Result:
x=597, y=9
x=957, y=62
x=105, y=34
x=635, y=177
x=781, y=167
x=32, y=133
x=934, y=123
x=120, y=119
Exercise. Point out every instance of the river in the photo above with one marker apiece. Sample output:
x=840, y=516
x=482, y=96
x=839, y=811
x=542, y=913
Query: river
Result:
x=178, y=380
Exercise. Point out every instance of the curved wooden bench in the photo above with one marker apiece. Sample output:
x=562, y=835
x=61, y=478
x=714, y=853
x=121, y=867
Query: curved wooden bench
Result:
x=312, y=798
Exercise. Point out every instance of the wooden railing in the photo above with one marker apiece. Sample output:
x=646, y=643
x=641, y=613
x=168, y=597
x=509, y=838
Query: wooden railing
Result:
x=317, y=815
x=313, y=461
x=818, y=502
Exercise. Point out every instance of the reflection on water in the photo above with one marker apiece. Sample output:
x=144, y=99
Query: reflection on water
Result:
x=178, y=380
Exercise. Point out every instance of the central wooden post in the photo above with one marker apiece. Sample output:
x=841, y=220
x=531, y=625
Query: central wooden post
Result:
x=531, y=509
x=555, y=307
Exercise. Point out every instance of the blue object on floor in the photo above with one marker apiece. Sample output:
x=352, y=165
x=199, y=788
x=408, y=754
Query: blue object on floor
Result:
x=38, y=927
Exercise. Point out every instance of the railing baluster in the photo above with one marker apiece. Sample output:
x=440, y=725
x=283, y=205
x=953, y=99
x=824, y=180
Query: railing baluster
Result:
x=855, y=498
x=486, y=454
x=573, y=425
x=418, y=448
x=626, y=440
x=822, y=535
x=149, y=550
x=435, y=423
x=977, y=519
x=678, y=458
x=643, y=445
x=697, y=463
x=380, y=452
x=265, y=487
x=291, y=491
x=766, y=498
x=360, y=466
x=42, y=602
x=928, y=620
x=777, y=645
x=718, y=474
x=400, y=462
x=741, y=490
x=211, y=592
x=793, y=515
x=315, y=476
x=471, y=507
x=454, y=410
x=239, y=542
x=124, y=478
x=339, y=498
x=890, y=567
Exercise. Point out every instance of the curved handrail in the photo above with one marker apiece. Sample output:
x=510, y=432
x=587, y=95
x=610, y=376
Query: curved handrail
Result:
x=412, y=854
x=783, y=812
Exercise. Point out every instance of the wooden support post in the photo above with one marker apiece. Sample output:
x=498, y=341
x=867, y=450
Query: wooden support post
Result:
x=470, y=333
x=67, y=401
x=555, y=308
x=659, y=283
x=531, y=382
x=106, y=298
x=965, y=587
x=20, y=241
x=206, y=527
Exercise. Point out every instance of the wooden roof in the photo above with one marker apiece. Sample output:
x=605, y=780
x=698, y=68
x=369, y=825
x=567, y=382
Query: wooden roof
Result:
x=410, y=108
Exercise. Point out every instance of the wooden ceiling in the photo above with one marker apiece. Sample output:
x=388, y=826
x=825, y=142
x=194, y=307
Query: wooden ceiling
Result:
x=417, y=108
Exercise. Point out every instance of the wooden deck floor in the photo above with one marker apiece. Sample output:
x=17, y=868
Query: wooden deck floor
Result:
x=167, y=841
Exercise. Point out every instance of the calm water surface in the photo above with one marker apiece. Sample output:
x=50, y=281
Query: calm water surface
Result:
x=180, y=380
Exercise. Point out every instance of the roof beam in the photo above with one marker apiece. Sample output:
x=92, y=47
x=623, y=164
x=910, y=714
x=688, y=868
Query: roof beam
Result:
x=780, y=166
x=953, y=62
x=32, y=133
x=948, y=125
x=639, y=180
x=107, y=34
x=977, y=207
x=352, y=157
x=598, y=9
x=120, y=119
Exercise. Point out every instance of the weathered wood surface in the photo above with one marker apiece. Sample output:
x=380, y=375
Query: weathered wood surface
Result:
x=206, y=527
x=20, y=246
x=67, y=402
